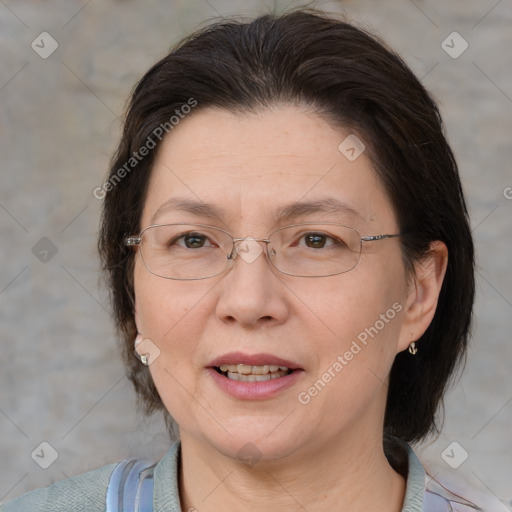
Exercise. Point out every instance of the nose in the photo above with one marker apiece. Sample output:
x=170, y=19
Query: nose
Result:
x=251, y=293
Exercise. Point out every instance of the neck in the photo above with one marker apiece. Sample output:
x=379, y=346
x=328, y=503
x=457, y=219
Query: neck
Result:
x=336, y=475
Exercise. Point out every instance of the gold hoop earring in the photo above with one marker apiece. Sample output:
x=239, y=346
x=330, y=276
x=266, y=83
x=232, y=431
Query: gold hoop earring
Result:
x=412, y=348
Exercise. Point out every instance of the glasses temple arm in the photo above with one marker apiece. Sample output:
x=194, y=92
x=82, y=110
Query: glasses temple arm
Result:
x=132, y=240
x=379, y=237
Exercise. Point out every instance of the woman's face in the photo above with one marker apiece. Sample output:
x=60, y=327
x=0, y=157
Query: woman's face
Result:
x=340, y=333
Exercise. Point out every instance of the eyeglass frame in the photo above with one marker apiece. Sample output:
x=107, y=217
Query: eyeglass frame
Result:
x=136, y=240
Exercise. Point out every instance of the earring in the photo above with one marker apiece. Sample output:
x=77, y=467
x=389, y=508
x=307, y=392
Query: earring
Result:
x=412, y=348
x=143, y=358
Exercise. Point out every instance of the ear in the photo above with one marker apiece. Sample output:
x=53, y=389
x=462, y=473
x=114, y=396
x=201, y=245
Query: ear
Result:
x=423, y=294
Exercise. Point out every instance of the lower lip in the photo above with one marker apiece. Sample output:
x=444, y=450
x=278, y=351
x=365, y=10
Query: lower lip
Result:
x=260, y=390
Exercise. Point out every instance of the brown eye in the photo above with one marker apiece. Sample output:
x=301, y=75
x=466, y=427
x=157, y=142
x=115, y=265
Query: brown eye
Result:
x=191, y=241
x=317, y=240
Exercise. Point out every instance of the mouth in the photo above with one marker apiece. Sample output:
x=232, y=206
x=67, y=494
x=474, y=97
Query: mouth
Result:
x=252, y=373
x=254, y=376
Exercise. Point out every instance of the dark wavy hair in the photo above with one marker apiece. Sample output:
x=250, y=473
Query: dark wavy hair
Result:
x=354, y=81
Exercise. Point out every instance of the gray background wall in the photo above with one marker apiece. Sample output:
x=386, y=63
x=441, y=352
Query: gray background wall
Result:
x=61, y=380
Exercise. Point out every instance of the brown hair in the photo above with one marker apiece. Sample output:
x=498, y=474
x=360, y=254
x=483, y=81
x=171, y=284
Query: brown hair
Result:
x=355, y=81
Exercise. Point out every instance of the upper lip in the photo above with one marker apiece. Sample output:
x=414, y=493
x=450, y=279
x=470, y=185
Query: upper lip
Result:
x=253, y=360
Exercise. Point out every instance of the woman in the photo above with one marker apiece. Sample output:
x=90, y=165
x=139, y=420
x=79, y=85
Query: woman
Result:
x=289, y=256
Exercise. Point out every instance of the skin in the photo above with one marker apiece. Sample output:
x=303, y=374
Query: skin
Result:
x=324, y=455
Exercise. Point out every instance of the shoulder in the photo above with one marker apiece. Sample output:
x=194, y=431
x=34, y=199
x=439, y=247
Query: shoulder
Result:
x=81, y=493
x=444, y=493
x=459, y=494
x=88, y=492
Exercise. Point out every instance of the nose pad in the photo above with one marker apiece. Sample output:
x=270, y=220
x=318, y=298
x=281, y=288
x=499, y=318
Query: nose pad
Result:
x=249, y=249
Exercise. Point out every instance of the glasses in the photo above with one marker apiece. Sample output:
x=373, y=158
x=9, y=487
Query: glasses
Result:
x=198, y=251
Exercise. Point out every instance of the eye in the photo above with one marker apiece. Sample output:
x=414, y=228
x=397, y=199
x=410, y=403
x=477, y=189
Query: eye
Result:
x=317, y=240
x=192, y=240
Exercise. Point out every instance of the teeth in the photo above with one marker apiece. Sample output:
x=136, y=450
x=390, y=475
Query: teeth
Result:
x=255, y=378
x=261, y=370
x=267, y=370
x=244, y=369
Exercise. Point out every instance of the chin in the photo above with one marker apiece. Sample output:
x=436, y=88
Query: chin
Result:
x=252, y=439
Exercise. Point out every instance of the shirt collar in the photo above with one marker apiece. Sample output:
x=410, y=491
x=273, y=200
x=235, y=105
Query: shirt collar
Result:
x=415, y=490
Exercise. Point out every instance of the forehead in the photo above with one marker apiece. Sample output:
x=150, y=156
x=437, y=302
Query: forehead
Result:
x=256, y=167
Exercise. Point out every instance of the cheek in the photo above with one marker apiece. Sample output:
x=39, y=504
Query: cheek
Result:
x=159, y=303
x=356, y=342
x=167, y=313
x=164, y=314
x=361, y=315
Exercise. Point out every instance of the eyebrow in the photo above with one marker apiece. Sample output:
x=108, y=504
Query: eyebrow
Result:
x=197, y=208
x=328, y=205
